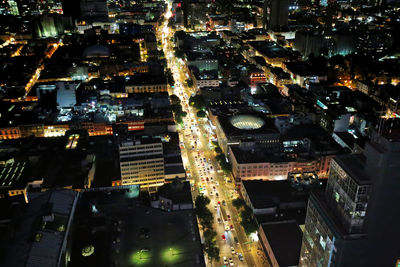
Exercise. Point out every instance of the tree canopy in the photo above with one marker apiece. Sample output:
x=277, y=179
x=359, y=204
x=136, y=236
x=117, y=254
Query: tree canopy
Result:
x=174, y=99
x=189, y=82
x=238, y=203
x=197, y=101
x=201, y=114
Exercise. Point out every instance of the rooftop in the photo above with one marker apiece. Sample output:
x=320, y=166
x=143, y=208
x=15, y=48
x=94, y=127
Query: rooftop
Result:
x=267, y=194
x=284, y=239
x=143, y=236
x=247, y=122
x=269, y=49
x=38, y=242
x=95, y=51
x=244, y=156
x=12, y=175
x=353, y=165
x=302, y=69
x=245, y=125
x=178, y=192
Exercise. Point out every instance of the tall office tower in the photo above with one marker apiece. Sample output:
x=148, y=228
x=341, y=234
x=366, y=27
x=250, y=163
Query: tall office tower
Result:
x=142, y=162
x=355, y=222
x=276, y=14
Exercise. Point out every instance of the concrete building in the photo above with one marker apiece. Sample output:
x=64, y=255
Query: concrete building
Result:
x=282, y=242
x=279, y=78
x=353, y=222
x=259, y=165
x=41, y=229
x=205, y=78
x=276, y=14
x=303, y=74
x=142, y=162
x=275, y=197
x=273, y=54
x=146, y=83
x=173, y=196
x=66, y=97
x=247, y=130
x=203, y=61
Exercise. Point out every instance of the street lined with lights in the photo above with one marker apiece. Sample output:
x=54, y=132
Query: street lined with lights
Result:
x=236, y=249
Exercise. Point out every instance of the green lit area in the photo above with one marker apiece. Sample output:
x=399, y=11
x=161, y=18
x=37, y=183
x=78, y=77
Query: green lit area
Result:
x=171, y=255
x=133, y=192
x=141, y=258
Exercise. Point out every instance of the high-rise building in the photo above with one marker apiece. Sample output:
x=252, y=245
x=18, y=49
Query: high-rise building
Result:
x=142, y=162
x=354, y=223
x=276, y=14
x=13, y=7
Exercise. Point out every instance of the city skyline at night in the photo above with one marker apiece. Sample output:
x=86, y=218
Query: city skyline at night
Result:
x=199, y=133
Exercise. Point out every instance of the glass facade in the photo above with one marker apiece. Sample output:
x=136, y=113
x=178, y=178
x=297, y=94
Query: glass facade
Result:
x=317, y=247
x=347, y=198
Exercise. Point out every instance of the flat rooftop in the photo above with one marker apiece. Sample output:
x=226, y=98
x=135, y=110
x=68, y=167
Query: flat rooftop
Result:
x=353, y=165
x=125, y=232
x=267, y=194
x=269, y=49
x=284, y=239
x=177, y=192
x=244, y=156
x=35, y=242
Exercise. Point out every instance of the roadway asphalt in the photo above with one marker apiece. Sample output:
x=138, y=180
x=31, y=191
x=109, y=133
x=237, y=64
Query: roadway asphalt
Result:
x=196, y=136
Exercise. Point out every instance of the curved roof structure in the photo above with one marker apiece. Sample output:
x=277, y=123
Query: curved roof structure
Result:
x=96, y=50
x=246, y=122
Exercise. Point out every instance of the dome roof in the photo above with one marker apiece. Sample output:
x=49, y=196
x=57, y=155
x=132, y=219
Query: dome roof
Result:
x=96, y=51
x=246, y=122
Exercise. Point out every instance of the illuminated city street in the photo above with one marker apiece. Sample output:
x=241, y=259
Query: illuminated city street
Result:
x=160, y=133
x=196, y=135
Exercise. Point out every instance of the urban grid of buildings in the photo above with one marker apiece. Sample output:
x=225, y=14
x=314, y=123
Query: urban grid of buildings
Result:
x=200, y=133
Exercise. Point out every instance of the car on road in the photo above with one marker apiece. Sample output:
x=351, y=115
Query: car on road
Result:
x=216, y=194
x=229, y=217
x=223, y=202
x=215, y=207
x=231, y=227
x=219, y=220
x=223, y=237
x=233, y=251
x=240, y=257
x=225, y=260
x=231, y=262
x=236, y=240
